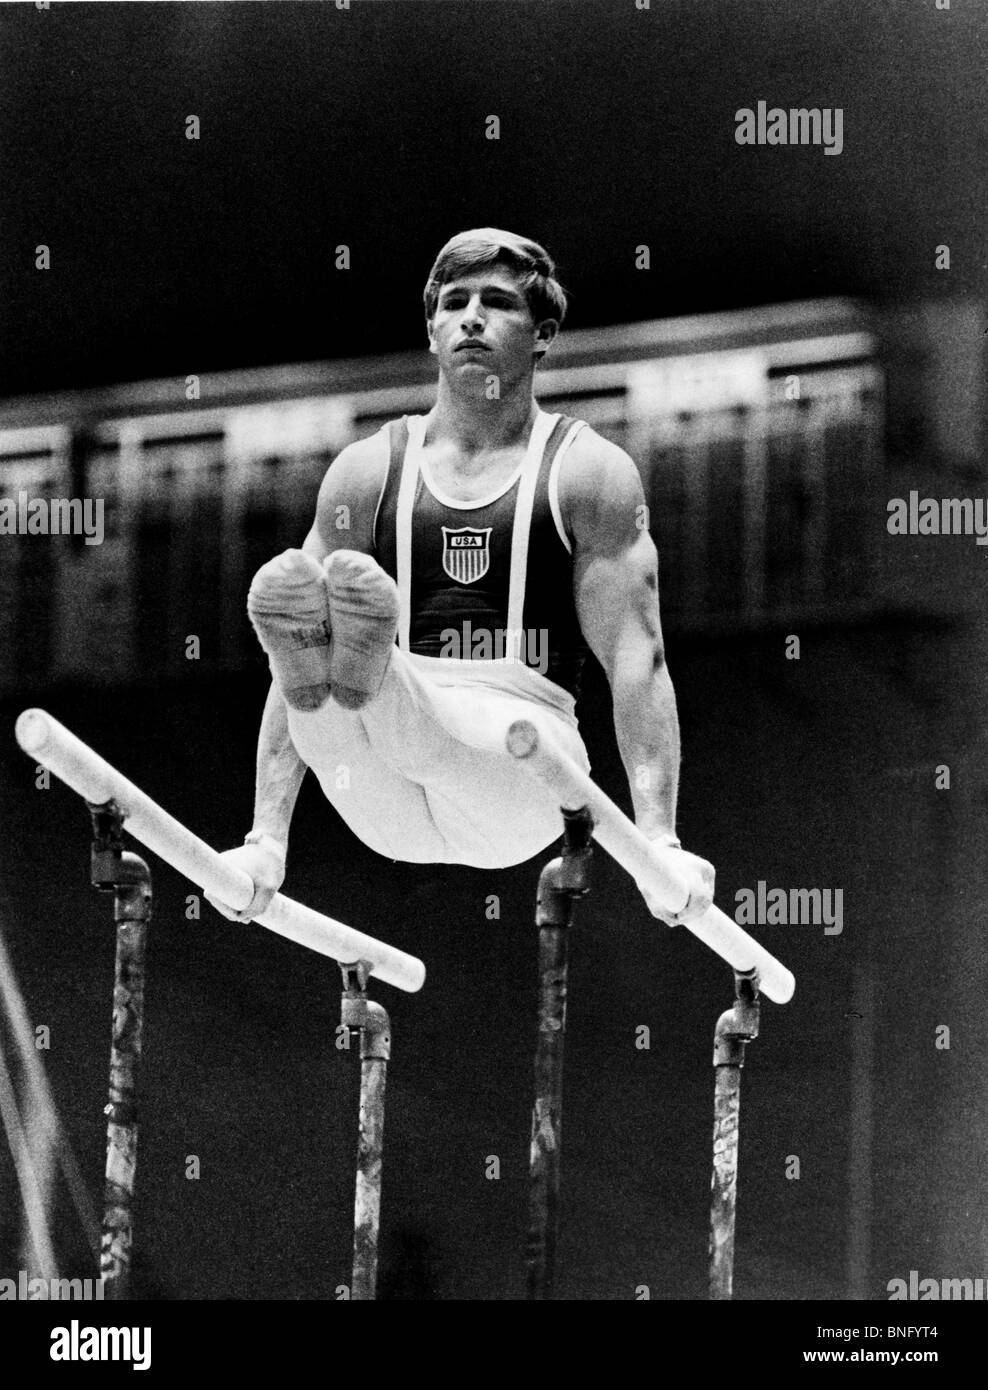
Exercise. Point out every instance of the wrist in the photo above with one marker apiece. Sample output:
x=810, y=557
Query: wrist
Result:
x=266, y=841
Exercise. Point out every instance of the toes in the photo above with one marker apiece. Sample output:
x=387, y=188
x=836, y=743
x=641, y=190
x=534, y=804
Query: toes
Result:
x=292, y=584
x=292, y=568
x=358, y=584
x=299, y=566
x=343, y=560
x=352, y=566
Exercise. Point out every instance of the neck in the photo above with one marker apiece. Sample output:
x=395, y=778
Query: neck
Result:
x=477, y=424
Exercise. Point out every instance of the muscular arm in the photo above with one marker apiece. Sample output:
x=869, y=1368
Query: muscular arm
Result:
x=280, y=771
x=617, y=600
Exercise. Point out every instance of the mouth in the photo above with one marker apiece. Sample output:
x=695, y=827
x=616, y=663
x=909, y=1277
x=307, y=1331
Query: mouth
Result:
x=472, y=345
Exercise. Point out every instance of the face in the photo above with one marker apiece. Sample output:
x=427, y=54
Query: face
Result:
x=483, y=327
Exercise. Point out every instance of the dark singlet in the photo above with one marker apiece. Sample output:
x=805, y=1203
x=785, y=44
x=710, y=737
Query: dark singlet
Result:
x=485, y=579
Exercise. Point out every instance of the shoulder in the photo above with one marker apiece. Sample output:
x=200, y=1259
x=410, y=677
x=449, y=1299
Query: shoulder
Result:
x=354, y=480
x=362, y=465
x=598, y=482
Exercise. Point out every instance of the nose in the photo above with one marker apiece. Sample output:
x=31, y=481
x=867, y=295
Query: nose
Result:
x=473, y=320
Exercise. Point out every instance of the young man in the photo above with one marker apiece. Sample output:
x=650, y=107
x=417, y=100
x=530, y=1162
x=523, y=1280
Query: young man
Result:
x=459, y=566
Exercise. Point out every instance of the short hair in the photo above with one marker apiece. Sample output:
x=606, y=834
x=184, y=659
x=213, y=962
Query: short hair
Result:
x=488, y=246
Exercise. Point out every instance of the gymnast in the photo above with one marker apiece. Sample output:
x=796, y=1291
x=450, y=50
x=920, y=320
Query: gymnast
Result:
x=460, y=565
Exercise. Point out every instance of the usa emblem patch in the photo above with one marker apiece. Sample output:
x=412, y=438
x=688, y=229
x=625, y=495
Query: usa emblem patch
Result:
x=466, y=553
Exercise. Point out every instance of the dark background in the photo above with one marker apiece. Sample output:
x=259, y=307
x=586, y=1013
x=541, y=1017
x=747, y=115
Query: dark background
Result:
x=322, y=127
x=170, y=256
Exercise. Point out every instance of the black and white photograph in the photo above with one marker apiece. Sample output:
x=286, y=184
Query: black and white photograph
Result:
x=494, y=666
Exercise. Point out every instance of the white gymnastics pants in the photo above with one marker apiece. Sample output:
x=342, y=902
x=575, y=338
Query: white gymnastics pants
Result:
x=421, y=772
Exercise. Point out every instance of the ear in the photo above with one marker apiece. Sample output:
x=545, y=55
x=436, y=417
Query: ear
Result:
x=545, y=332
x=432, y=340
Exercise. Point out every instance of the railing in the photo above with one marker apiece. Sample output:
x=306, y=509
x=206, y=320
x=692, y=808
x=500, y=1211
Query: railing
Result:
x=758, y=436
